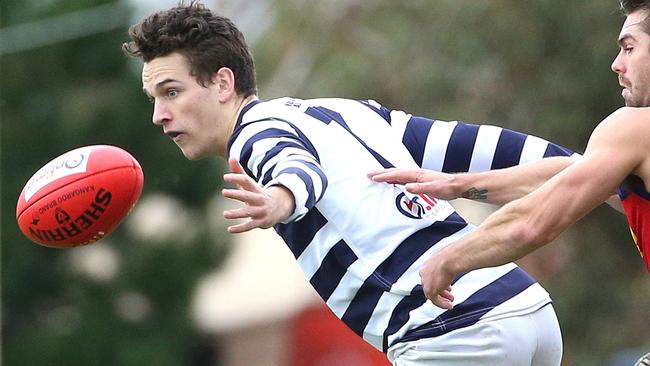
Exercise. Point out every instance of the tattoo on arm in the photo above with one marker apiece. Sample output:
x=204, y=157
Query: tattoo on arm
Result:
x=475, y=194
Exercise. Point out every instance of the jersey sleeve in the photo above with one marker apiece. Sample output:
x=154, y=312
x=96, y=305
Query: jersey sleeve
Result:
x=276, y=153
x=455, y=147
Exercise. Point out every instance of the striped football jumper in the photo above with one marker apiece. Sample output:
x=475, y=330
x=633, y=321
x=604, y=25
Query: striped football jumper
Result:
x=360, y=243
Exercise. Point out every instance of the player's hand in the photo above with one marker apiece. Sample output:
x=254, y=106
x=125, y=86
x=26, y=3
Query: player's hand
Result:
x=430, y=182
x=436, y=282
x=263, y=207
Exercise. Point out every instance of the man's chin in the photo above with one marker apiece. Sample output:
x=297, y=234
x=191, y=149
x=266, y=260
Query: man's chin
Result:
x=192, y=155
x=630, y=101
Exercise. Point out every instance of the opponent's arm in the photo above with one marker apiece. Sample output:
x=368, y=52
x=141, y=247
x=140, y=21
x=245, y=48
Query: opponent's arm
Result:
x=458, y=147
x=615, y=150
x=493, y=186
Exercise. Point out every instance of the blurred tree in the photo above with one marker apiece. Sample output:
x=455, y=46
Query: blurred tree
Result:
x=79, y=92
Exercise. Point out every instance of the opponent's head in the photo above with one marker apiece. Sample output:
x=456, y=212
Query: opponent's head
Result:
x=197, y=71
x=632, y=64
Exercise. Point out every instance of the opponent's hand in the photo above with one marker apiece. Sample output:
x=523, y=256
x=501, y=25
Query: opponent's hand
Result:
x=264, y=207
x=430, y=182
x=436, y=282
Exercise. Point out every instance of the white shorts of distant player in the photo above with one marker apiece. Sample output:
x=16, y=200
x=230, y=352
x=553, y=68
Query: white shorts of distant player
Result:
x=530, y=339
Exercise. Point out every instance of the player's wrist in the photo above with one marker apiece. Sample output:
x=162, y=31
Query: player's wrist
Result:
x=449, y=261
x=283, y=201
x=459, y=184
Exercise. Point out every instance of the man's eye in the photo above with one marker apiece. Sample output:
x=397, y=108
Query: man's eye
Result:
x=172, y=93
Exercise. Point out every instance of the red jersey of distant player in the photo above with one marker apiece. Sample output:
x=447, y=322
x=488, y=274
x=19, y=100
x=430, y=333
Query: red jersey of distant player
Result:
x=636, y=202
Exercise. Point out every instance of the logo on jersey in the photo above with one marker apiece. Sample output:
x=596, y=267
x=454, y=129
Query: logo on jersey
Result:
x=415, y=206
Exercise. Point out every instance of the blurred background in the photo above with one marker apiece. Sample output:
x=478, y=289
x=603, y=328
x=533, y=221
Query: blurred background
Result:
x=171, y=287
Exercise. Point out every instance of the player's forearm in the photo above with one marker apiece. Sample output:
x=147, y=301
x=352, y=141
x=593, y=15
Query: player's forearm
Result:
x=504, y=237
x=504, y=185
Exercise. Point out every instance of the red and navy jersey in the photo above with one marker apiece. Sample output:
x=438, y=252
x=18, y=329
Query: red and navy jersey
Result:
x=636, y=202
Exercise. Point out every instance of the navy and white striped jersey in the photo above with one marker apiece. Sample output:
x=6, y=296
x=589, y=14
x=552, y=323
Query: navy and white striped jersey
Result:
x=360, y=243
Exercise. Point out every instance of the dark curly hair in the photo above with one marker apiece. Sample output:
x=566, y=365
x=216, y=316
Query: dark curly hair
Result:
x=208, y=41
x=630, y=6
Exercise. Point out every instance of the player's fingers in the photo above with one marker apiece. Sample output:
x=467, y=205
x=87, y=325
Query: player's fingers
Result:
x=248, y=197
x=244, y=212
x=241, y=180
x=239, y=213
x=243, y=227
x=235, y=166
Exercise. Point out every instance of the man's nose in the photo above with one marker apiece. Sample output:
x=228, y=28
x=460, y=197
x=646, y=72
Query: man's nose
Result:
x=160, y=114
x=617, y=64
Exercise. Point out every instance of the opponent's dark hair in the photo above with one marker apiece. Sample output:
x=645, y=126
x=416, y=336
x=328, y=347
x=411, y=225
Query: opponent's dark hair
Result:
x=630, y=6
x=208, y=41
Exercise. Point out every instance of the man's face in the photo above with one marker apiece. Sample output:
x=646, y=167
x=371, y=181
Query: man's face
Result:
x=188, y=112
x=632, y=64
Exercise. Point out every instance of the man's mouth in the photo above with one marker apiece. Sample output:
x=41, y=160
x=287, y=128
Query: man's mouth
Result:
x=623, y=83
x=172, y=134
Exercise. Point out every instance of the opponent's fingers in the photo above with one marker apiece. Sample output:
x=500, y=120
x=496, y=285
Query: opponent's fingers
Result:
x=434, y=189
x=398, y=176
x=446, y=294
x=415, y=187
x=377, y=172
x=442, y=302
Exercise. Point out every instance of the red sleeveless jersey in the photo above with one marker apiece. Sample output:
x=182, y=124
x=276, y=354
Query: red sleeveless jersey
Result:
x=636, y=202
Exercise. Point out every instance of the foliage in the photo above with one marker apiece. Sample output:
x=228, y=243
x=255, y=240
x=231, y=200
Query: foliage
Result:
x=56, y=98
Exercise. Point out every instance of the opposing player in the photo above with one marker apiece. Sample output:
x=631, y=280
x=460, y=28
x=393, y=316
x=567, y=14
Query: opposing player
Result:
x=299, y=166
x=617, y=158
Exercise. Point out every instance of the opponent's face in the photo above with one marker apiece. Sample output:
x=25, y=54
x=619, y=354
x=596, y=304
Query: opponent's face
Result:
x=189, y=113
x=632, y=64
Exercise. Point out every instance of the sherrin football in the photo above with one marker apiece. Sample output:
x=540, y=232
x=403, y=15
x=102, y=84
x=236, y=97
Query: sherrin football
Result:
x=79, y=197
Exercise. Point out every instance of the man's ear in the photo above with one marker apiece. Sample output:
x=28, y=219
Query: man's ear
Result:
x=224, y=80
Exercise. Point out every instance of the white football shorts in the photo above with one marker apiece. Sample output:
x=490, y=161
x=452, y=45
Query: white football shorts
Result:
x=530, y=339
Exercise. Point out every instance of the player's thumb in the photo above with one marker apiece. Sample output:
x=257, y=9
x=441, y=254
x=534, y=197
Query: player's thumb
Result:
x=234, y=166
x=414, y=187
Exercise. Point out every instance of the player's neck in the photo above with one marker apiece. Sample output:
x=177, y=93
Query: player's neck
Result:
x=238, y=106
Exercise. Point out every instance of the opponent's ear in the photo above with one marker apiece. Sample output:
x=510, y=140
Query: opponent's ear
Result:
x=224, y=80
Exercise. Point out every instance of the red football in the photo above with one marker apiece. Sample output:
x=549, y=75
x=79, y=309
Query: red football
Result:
x=79, y=197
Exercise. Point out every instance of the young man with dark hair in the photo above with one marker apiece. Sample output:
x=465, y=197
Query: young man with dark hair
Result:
x=299, y=167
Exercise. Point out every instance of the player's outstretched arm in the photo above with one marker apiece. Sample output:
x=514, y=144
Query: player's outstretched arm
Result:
x=616, y=149
x=498, y=186
x=263, y=207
